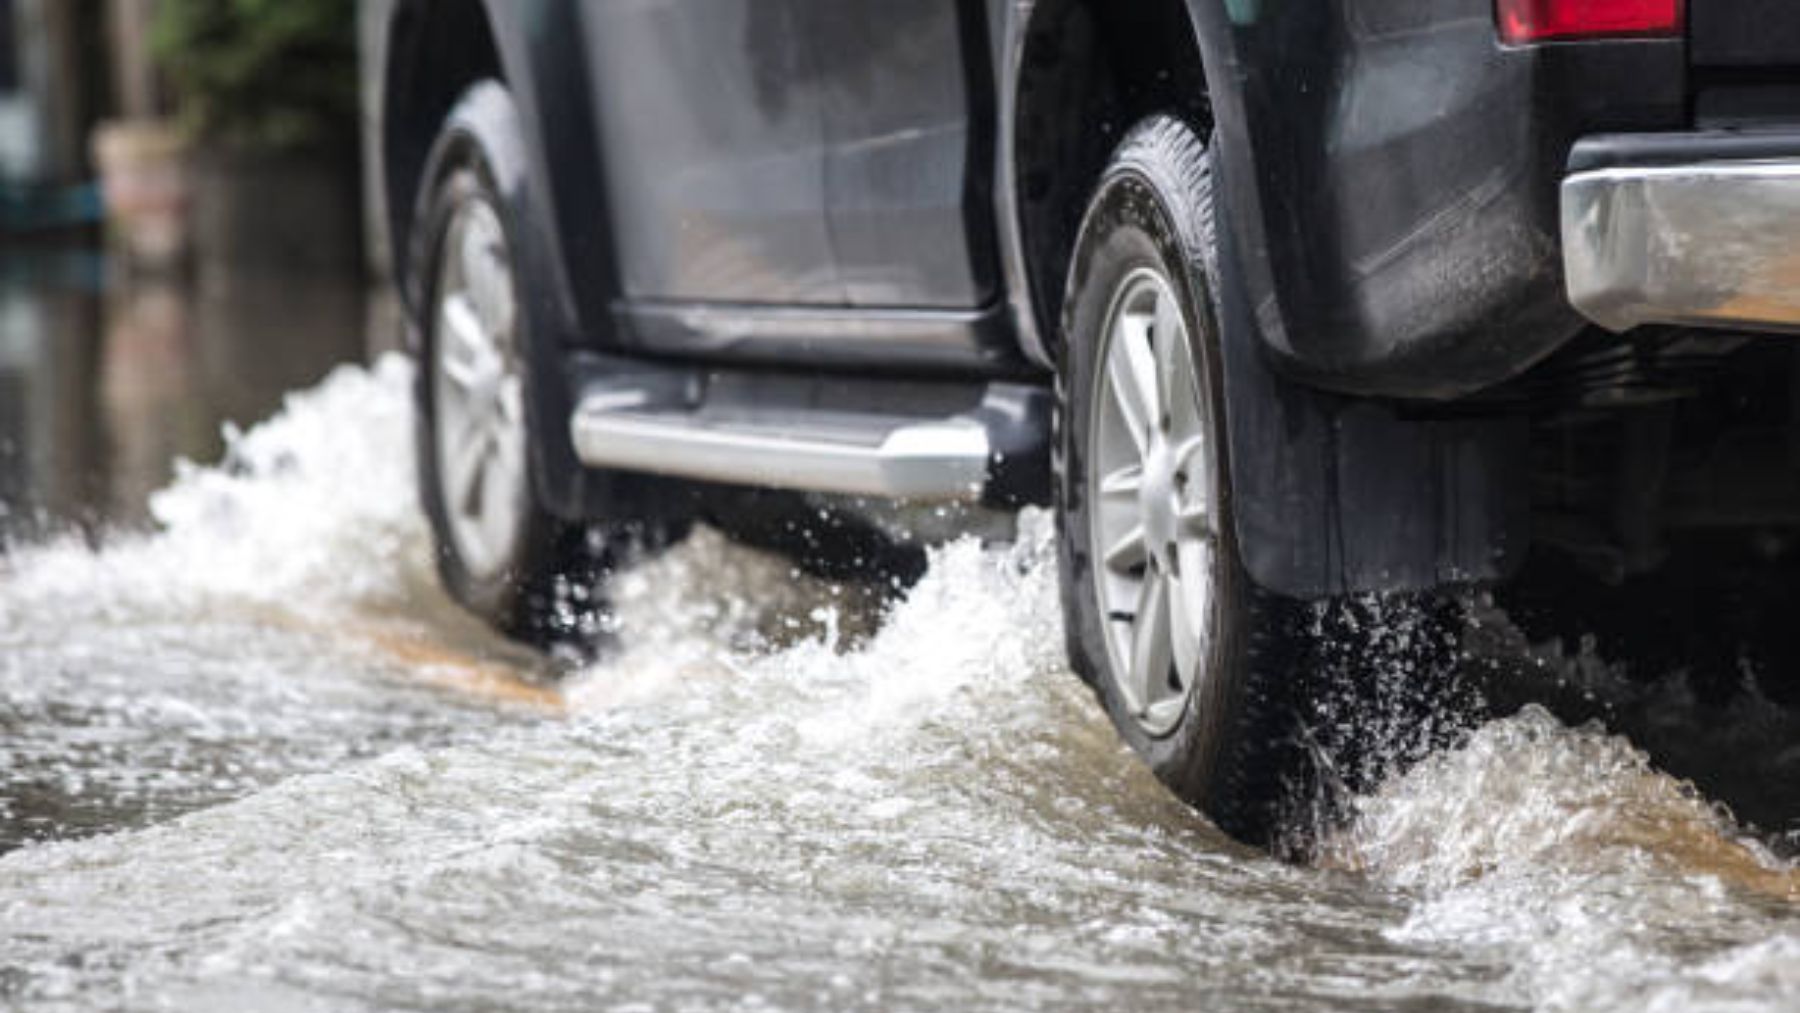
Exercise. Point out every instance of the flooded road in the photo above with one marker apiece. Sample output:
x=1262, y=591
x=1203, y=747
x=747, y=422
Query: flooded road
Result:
x=250, y=758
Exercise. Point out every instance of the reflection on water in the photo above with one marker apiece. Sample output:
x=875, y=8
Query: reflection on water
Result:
x=251, y=758
x=105, y=381
x=49, y=350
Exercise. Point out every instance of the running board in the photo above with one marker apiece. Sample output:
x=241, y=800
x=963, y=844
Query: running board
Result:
x=902, y=440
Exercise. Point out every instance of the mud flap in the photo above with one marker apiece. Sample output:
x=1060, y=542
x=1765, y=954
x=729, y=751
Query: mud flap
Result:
x=1336, y=494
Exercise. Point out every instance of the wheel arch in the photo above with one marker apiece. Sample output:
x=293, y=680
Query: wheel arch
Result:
x=438, y=54
x=1321, y=508
x=1085, y=71
x=435, y=53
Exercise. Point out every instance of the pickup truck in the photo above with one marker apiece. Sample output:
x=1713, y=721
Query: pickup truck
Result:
x=1275, y=302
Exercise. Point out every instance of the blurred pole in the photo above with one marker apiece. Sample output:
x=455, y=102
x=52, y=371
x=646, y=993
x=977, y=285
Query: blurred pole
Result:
x=137, y=89
x=71, y=79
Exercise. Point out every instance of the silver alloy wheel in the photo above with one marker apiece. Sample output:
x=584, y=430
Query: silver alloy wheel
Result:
x=479, y=390
x=1153, y=498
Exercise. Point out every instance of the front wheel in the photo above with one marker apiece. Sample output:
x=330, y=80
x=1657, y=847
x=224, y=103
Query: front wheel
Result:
x=1190, y=659
x=502, y=553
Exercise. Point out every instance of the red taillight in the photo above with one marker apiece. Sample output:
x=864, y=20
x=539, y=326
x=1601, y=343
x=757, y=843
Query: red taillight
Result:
x=1522, y=21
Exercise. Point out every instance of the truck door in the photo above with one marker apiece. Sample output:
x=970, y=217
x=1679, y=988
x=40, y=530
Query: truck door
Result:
x=906, y=94
x=714, y=151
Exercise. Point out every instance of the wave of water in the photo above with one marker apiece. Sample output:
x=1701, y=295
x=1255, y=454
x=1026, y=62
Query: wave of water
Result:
x=1598, y=878
x=314, y=785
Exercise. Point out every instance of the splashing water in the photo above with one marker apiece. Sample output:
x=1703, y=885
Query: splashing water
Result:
x=315, y=507
x=1565, y=851
x=233, y=778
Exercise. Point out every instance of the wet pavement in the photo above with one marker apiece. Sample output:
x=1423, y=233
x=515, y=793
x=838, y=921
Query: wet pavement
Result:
x=251, y=758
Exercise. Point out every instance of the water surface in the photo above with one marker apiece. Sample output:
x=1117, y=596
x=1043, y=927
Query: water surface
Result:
x=250, y=758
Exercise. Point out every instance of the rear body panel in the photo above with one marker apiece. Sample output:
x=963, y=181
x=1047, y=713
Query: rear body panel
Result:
x=1392, y=173
x=1744, y=33
x=1745, y=58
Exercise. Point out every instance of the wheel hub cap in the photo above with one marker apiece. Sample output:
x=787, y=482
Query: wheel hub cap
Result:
x=478, y=390
x=1153, y=492
x=1156, y=500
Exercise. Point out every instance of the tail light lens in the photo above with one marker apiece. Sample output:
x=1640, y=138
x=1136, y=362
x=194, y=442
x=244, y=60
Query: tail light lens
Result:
x=1522, y=21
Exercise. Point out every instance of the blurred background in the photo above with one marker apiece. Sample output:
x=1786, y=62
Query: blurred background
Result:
x=181, y=236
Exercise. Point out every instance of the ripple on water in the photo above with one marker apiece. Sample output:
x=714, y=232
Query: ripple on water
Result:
x=735, y=811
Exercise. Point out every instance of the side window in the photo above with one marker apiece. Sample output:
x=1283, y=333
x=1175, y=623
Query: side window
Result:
x=907, y=96
x=714, y=150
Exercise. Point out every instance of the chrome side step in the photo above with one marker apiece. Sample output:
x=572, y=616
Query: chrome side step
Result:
x=815, y=435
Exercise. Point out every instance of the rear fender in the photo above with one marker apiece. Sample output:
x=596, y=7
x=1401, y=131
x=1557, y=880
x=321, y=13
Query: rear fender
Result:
x=1336, y=494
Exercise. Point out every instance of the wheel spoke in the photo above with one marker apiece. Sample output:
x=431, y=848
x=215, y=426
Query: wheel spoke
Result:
x=1194, y=520
x=496, y=484
x=1123, y=483
x=1128, y=553
x=474, y=484
x=1188, y=454
x=485, y=268
x=1132, y=374
x=1168, y=315
x=509, y=405
x=1169, y=346
x=468, y=454
x=462, y=377
x=1184, y=623
x=1135, y=332
x=466, y=356
x=477, y=269
x=1150, y=642
x=506, y=460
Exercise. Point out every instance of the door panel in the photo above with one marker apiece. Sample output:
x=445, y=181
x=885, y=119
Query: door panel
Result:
x=908, y=157
x=714, y=151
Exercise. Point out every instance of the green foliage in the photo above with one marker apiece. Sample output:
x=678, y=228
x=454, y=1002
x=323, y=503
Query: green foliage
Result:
x=261, y=74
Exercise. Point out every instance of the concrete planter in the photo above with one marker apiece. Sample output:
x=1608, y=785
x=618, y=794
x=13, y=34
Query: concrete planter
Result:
x=147, y=190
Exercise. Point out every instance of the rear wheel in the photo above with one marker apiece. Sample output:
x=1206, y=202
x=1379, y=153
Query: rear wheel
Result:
x=1189, y=658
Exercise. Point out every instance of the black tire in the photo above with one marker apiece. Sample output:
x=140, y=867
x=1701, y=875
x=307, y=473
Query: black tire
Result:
x=1234, y=752
x=543, y=588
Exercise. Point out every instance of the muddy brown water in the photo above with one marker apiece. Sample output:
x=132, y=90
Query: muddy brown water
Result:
x=250, y=758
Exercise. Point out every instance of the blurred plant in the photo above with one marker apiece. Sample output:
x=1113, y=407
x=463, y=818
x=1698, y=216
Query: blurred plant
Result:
x=262, y=75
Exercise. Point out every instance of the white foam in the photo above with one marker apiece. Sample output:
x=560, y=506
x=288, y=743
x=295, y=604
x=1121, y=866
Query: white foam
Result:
x=1564, y=854
x=314, y=507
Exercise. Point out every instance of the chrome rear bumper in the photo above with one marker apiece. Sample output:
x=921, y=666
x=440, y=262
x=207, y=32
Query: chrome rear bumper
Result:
x=1713, y=243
